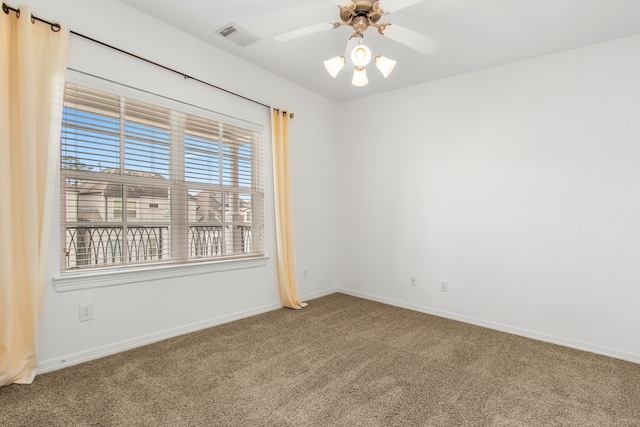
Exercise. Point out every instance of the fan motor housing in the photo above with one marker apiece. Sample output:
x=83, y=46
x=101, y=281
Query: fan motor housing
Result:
x=361, y=9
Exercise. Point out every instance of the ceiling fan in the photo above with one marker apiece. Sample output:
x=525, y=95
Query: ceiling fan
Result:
x=362, y=14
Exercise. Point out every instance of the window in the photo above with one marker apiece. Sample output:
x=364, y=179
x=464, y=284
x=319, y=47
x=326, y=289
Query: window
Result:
x=131, y=209
x=192, y=184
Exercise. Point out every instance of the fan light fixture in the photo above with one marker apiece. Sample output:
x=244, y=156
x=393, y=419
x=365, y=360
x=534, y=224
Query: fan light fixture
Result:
x=385, y=65
x=334, y=65
x=360, y=57
x=360, y=77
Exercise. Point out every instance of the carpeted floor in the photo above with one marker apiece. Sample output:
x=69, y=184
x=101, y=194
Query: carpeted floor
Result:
x=342, y=361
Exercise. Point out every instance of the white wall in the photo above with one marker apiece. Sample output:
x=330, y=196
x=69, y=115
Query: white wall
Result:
x=133, y=314
x=518, y=185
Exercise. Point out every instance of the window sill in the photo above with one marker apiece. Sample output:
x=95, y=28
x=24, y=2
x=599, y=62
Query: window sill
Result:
x=88, y=280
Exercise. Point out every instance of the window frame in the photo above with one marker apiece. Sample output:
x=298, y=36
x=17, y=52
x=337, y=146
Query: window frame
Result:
x=117, y=274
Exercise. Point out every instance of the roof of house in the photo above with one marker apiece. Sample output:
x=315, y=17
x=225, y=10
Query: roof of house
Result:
x=134, y=191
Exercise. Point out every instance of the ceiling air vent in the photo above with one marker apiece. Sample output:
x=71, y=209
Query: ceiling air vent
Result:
x=236, y=34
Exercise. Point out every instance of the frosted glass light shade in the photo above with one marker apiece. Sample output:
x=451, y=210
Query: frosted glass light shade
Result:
x=360, y=77
x=385, y=65
x=360, y=55
x=334, y=65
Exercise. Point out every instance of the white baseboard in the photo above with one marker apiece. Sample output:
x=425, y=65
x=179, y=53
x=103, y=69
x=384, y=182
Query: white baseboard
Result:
x=107, y=350
x=96, y=353
x=318, y=294
x=553, y=339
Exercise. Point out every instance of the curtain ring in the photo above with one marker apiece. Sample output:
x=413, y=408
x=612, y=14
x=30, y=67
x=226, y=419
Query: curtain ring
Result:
x=5, y=9
x=284, y=113
x=33, y=21
x=55, y=27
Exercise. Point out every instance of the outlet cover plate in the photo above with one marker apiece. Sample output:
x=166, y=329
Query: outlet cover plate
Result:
x=444, y=286
x=86, y=312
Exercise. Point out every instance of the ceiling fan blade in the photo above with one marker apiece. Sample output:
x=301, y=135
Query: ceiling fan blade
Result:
x=301, y=32
x=343, y=3
x=410, y=38
x=390, y=6
x=351, y=43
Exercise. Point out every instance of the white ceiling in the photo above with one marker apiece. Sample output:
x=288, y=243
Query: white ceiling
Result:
x=473, y=35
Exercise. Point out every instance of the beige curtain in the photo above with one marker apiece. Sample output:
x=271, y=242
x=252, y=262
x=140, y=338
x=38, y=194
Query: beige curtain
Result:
x=285, y=237
x=32, y=70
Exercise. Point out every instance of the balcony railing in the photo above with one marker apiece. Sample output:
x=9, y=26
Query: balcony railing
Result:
x=205, y=241
x=104, y=246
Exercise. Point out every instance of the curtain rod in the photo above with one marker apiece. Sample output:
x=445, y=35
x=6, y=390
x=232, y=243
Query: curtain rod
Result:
x=56, y=27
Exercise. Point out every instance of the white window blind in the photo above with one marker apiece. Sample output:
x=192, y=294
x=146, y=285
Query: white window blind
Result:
x=145, y=183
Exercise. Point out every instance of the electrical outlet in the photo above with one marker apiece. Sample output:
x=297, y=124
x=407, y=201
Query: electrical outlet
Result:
x=86, y=312
x=412, y=280
x=444, y=286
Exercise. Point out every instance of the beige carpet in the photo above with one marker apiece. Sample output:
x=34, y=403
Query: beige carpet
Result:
x=342, y=361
